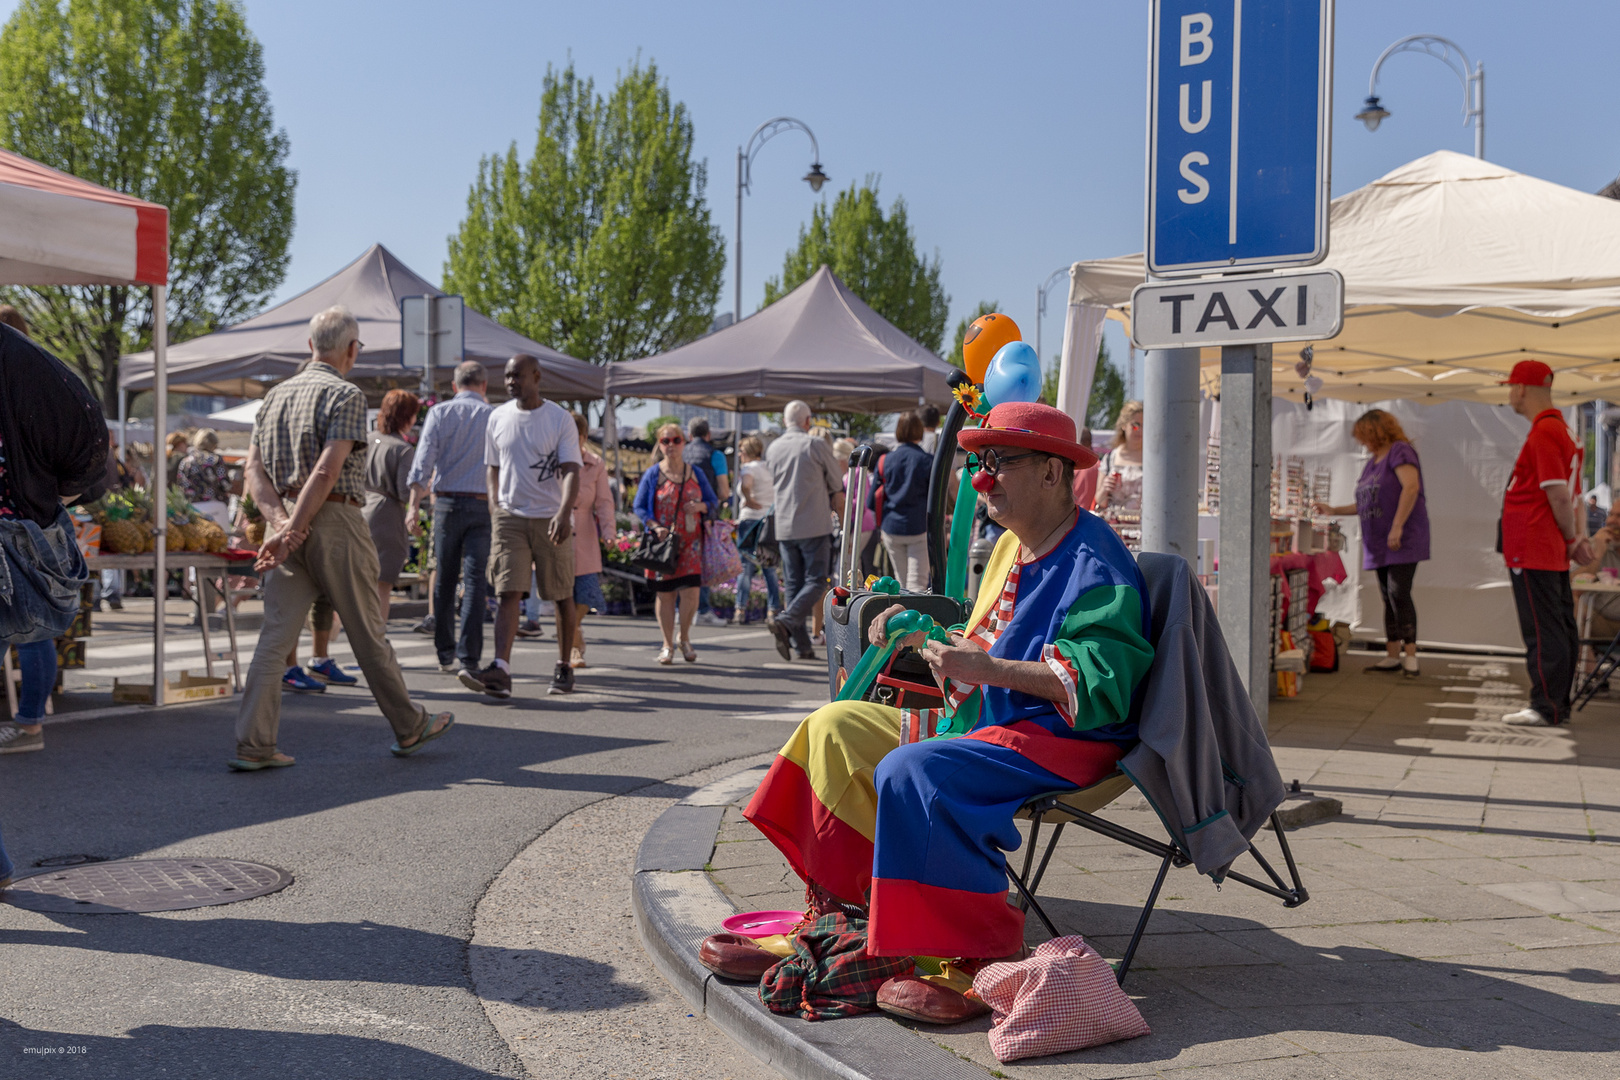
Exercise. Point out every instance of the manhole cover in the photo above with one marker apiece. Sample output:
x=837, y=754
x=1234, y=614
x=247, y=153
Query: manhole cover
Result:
x=145, y=885
x=68, y=860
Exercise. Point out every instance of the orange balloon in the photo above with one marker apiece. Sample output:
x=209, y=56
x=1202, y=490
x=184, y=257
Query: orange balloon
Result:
x=983, y=340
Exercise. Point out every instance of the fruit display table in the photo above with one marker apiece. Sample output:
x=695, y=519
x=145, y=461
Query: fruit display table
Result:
x=200, y=566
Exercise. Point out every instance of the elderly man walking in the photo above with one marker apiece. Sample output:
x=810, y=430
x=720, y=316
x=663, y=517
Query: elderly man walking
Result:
x=450, y=457
x=301, y=454
x=1542, y=532
x=531, y=452
x=808, y=482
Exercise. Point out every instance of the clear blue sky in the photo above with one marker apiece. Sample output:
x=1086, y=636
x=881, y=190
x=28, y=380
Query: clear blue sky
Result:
x=1014, y=131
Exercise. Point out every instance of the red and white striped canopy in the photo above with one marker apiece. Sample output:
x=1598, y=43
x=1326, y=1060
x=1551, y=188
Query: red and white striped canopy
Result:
x=60, y=230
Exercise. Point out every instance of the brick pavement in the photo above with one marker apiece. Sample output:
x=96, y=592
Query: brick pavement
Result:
x=1465, y=910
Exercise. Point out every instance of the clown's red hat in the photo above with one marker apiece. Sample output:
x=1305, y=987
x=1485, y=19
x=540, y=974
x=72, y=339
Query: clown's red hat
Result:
x=1032, y=426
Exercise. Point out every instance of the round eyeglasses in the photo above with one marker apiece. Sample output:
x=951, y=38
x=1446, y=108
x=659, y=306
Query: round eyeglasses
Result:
x=992, y=462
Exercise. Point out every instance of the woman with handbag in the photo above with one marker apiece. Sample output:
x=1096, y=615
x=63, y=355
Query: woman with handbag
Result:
x=671, y=502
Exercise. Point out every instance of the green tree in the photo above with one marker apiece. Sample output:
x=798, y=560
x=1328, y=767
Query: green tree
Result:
x=1107, y=390
x=876, y=256
x=986, y=307
x=164, y=100
x=600, y=244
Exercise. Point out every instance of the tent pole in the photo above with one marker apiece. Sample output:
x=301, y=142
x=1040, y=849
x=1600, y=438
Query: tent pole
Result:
x=123, y=424
x=736, y=460
x=1245, y=548
x=160, y=489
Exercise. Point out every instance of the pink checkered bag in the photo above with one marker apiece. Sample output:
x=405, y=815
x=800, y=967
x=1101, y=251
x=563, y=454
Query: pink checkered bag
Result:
x=1062, y=998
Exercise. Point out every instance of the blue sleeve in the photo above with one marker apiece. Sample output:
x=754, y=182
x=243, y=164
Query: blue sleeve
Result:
x=646, y=504
x=717, y=462
x=427, y=450
x=708, y=492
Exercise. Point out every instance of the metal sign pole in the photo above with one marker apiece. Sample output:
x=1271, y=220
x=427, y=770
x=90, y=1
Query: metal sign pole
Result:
x=1170, y=453
x=1245, y=559
x=430, y=311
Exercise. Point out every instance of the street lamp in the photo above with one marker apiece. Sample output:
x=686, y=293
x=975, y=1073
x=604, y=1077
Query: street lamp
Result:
x=1041, y=294
x=745, y=171
x=1449, y=53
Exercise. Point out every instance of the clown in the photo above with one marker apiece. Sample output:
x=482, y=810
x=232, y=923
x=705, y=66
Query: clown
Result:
x=915, y=837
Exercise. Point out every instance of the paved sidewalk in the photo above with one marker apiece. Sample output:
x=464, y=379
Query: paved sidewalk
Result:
x=1464, y=918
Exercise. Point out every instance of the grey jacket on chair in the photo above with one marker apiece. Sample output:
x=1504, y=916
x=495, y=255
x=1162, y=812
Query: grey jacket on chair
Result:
x=1203, y=761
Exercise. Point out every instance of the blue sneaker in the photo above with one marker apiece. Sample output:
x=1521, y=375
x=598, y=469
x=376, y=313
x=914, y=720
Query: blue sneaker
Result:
x=328, y=671
x=299, y=682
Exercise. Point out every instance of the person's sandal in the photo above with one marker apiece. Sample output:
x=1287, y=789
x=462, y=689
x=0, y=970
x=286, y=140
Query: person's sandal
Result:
x=426, y=737
x=666, y=655
x=687, y=652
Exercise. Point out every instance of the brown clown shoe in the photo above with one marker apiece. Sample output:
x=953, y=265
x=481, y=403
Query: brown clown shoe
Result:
x=916, y=998
x=733, y=956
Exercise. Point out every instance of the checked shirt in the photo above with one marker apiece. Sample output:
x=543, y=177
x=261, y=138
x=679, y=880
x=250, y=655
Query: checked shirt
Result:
x=300, y=417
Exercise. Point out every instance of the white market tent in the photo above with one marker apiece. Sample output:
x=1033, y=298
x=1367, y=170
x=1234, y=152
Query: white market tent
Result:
x=60, y=230
x=1455, y=269
x=246, y=359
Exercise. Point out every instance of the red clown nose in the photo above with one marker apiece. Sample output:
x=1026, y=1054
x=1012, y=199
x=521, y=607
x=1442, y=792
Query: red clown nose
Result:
x=983, y=482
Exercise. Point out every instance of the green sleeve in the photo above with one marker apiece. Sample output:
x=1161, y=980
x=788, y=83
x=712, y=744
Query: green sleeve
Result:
x=1101, y=655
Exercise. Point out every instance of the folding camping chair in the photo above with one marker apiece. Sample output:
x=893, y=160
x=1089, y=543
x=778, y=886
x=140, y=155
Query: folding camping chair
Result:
x=1079, y=806
x=1598, y=678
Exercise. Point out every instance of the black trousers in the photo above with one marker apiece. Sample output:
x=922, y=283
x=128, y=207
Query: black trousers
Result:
x=1400, y=614
x=1551, y=645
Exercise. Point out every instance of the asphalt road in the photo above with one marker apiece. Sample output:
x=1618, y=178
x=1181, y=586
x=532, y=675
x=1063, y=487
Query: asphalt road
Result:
x=362, y=966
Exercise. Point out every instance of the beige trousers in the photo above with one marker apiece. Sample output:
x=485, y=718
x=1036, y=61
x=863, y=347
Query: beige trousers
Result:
x=340, y=560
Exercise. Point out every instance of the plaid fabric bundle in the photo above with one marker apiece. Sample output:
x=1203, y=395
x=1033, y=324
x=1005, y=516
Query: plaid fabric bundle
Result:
x=829, y=974
x=1064, y=997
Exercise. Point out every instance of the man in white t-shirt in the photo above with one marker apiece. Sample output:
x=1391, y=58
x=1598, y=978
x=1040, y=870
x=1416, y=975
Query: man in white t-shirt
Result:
x=531, y=451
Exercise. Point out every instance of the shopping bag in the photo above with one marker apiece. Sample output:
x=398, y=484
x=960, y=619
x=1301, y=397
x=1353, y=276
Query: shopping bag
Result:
x=721, y=563
x=655, y=553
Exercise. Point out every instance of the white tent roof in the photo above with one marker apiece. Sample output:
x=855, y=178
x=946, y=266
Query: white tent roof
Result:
x=246, y=359
x=60, y=230
x=1455, y=269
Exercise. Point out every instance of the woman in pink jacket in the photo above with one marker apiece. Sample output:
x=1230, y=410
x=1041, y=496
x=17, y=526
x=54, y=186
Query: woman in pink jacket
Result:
x=593, y=522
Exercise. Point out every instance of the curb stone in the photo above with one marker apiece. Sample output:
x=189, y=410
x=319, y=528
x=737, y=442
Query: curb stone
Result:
x=677, y=906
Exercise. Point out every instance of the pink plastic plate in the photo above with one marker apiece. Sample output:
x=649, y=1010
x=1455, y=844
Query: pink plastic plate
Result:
x=757, y=924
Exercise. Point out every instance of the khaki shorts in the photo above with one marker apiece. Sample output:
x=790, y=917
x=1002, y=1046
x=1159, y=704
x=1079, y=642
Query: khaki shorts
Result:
x=521, y=543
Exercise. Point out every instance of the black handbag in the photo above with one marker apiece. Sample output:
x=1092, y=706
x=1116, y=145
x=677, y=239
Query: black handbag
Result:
x=660, y=556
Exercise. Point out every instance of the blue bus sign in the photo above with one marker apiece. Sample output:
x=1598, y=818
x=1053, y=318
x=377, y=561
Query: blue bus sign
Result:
x=1240, y=100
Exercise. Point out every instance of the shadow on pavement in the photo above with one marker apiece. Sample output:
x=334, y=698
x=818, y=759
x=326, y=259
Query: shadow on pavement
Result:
x=158, y=1050
x=1248, y=980
x=328, y=951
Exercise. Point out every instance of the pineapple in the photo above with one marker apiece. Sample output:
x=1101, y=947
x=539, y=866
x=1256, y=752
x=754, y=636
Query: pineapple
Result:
x=122, y=537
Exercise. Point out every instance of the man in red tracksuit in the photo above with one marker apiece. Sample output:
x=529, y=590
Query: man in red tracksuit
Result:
x=1542, y=532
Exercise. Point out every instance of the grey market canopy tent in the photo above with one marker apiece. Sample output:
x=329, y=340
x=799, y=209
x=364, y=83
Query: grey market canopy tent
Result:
x=820, y=343
x=245, y=360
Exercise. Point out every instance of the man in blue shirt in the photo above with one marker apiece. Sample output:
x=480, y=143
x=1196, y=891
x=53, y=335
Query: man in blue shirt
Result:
x=450, y=460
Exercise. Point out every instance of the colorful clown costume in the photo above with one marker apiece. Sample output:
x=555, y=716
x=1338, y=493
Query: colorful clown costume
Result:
x=922, y=830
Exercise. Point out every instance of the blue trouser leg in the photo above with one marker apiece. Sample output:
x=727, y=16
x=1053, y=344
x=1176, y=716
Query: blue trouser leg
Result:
x=6, y=865
x=461, y=535
x=773, y=591
x=37, y=661
x=805, y=563
x=703, y=599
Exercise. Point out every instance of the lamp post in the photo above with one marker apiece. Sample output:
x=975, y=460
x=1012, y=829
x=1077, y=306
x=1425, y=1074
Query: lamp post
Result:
x=745, y=169
x=1449, y=53
x=1041, y=294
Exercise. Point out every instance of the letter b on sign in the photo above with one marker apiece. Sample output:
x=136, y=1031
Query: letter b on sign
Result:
x=1199, y=37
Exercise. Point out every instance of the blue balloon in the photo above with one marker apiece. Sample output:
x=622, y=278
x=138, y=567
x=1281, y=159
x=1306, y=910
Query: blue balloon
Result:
x=1014, y=375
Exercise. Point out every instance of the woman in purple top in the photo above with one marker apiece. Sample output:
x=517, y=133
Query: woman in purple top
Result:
x=1394, y=529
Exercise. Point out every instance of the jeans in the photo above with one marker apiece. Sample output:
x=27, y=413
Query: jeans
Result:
x=37, y=662
x=703, y=600
x=908, y=555
x=112, y=585
x=461, y=536
x=41, y=573
x=804, y=572
x=1400, y=614
x=745, y=586
x=6, y=865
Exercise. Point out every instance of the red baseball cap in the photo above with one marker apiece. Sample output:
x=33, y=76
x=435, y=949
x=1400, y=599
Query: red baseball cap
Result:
x=1032, y=426
x=1529, y=373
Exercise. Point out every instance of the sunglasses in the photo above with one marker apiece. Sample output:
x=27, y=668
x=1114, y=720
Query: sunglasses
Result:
x=991, y=463
x=670, y=442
